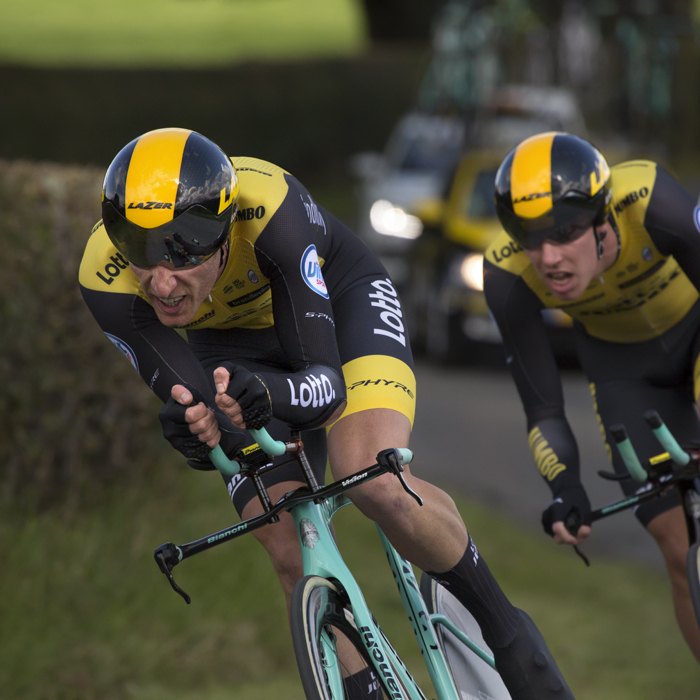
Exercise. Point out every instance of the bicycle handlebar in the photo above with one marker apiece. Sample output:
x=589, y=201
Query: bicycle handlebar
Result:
x=676, y=453
x=272, y=447
x=629, y=456
x=674, y=468
x=267, y=444
x=388, y=461
x=228, y=467
x=668, y=442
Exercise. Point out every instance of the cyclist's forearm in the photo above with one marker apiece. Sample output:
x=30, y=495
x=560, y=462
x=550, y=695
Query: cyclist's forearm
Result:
x=307, y=398
x=159, y=354
x=555, y=452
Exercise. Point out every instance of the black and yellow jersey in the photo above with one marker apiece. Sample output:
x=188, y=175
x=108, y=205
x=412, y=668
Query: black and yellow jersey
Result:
x=645, y=292
x=242, y=296
x=635, y=305
x=288, y=260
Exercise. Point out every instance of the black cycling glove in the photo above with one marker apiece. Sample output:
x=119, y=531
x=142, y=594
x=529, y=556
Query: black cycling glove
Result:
x=176, y=431
x=251, y=392
x=570, y=506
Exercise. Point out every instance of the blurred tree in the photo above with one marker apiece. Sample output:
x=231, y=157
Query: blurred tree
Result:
x=547, y=11
x=401, y=20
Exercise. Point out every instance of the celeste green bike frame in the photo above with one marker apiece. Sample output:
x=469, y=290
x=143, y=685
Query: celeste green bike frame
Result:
x=312, y=513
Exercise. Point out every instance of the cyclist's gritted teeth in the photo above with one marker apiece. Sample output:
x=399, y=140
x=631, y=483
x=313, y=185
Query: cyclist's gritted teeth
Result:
x=559, y=276
x=559, y=279
x=170, y=303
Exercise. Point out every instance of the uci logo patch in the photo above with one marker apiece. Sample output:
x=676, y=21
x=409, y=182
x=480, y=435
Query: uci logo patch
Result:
x=696, y=217
x=311, y=272
x=124, y=349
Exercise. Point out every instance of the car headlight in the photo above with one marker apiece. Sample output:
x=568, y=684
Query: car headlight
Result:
x=471, y=270
x=390, y=220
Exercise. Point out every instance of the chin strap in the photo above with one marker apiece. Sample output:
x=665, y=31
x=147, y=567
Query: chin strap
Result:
x=224, y=254
x=599, y=237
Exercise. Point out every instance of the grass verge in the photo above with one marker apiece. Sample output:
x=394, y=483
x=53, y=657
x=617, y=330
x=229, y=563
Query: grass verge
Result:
x=86, y=614
x=187, y=33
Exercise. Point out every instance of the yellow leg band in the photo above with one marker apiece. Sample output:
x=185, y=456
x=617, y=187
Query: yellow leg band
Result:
x=379, y=381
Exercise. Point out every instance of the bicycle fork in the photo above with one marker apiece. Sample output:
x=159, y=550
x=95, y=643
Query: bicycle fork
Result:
x=321, y=557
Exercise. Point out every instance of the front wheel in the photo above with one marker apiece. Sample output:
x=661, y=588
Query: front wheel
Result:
x=693, y=566
x=333, y=662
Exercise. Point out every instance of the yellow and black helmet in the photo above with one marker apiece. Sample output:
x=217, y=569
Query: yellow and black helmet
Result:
x=169, y=195
x=553, y=186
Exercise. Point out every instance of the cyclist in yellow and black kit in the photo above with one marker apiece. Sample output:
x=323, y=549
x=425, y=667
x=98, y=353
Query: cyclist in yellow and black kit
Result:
x=619, y=251
x=291, y=323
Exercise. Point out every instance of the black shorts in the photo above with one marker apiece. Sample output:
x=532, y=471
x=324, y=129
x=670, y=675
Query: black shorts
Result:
x=376, y=360
x=629, y=379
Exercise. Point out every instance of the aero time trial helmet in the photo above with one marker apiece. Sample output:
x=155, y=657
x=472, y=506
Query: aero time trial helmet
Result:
x=552, y=186
x=169, y=195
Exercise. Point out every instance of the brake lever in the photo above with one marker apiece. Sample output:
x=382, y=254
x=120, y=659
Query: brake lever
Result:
x=409, y=490
x=167, y=556
x=572, y=524
x=392, y=461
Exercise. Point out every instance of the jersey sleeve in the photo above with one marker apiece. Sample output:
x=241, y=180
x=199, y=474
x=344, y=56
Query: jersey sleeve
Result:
x=673, y=222
x=288, y=254
x=530, y=359
x=157, y=353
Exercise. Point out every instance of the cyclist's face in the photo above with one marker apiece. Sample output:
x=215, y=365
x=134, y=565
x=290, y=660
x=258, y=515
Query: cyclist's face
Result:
x=177, y=293
x=568, y=268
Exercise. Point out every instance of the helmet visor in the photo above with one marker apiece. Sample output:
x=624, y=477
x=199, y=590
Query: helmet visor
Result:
x=567, y=221
x=192, y=237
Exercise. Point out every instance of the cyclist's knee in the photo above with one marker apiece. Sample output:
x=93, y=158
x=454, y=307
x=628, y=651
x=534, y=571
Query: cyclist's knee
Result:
x=383, y=498
x=669, y=531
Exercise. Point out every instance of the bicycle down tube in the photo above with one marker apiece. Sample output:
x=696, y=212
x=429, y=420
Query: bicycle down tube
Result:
x=320, y=557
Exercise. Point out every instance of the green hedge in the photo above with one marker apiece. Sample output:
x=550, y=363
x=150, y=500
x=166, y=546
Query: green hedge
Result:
x=73, y=416
x=308, y=117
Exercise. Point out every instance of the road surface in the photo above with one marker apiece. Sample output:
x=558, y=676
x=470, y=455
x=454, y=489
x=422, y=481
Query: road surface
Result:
x=473, y=420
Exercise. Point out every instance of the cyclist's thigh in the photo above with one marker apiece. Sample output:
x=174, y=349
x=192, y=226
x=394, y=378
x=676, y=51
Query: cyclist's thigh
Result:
x=374, y=348
x=257, y=351
x=666, y=360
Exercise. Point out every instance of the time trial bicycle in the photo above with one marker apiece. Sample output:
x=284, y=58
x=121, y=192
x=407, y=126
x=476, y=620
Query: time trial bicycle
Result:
x=330, y=620
x=674, y=468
